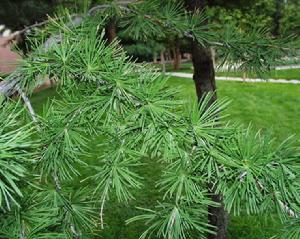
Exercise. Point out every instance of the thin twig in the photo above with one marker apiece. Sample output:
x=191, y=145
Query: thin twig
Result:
x=24, y=30
x=22, y=231
x=101, y=213
x=288, y=210
x=57, y=182
x=121, y=4
x=74, y=232
x=38, y=24
x=103, y=200
x=172, y=222
x=27, y=103
x=242, y=175
x=101, y=210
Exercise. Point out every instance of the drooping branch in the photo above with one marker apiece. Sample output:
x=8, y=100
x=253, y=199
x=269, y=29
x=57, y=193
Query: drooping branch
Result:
x=28, y=105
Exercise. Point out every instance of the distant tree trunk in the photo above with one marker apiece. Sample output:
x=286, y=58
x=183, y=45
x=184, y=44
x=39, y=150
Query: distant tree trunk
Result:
x=204, y=78
x=168, y=55
x=163, y=61
x=213, y=56
x=154, y=57
x=244, y=76
x=277, y=17
x=177, y=56
x=110, y=30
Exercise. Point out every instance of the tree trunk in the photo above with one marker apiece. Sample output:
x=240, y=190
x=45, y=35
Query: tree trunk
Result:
x=204, y=79
x=204, y=72
x=277, y=17
x=177, y=56
x=155, y=58
x=218, y=217
x=168, y=55
x=110, y=30
x=163, y=61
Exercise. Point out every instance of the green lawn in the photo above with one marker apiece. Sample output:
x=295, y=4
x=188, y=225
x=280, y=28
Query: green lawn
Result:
x=265, y=105
x=288, y=74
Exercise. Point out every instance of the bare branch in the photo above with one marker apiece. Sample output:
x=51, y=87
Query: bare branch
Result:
x=242, y=175
x=27, y=103
x=74, y=232
x=58, y=187
x=288, y=210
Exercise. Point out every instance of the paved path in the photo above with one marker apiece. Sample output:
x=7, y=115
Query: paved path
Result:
x=189, y=75
x=282, y=67
x=287, y=67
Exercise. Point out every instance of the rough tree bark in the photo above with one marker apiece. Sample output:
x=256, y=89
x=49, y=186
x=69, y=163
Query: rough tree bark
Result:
x=204, y=73
x=110, y=30
x=204, y=78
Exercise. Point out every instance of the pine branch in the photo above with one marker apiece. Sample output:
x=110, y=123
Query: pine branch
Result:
x=40, y=24
x=55, y=178
x=9, y=85
x=283, y=206
x=123, y=6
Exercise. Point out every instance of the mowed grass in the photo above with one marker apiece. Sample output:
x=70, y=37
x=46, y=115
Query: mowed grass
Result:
x=288, y=74
x=266, y=106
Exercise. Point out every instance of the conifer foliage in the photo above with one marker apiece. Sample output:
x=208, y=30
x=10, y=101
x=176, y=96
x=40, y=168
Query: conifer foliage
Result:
x=49, y=188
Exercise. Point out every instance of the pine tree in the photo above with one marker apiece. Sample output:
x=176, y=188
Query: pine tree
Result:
x=50, y=189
